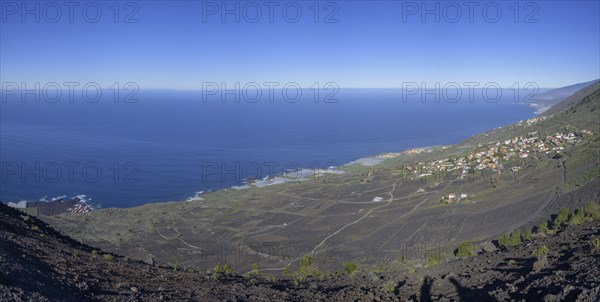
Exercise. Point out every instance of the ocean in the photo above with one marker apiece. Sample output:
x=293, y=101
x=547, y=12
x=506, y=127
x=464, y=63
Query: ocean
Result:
x=171, y=145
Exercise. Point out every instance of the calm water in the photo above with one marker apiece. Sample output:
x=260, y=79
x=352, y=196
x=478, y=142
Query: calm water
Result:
x=169, y=144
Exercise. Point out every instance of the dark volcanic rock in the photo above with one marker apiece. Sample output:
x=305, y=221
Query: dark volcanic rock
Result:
x=39, y=264
x=489, y=247
x=541, y=263
x=150, y=261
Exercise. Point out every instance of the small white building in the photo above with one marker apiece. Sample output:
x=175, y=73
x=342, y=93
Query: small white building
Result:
x=377, y=199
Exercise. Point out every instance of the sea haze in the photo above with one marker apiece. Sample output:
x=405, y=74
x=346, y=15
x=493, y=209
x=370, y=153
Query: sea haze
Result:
x=170, y=144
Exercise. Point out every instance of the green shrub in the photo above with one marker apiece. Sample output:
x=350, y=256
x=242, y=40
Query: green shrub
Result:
x=504, y=241
x=507, y=241
x=542, y=228
x=299, y=280
x=540, y=251
x=596, y=244
x=255, y=269
x=379, y=269
x=108, y=258
x=350, y=267
x=560, y=219
x=577, y=217
x=527, y=235
x=465, y=250
x=306, y=266
x=306, y=261
x=217, y=270
x=221, y=270
x=228, y=269
x=35, y=228
x=591, y=210
x=432, y=261
x=515, y=237
x=175, y=264
x=390, y=286
x=271, y=277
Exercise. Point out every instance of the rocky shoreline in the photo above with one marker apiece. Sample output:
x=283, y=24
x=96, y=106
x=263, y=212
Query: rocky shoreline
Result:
x=56, y=206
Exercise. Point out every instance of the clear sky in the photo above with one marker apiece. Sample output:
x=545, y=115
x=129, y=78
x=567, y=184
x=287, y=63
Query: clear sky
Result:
x=180, y=44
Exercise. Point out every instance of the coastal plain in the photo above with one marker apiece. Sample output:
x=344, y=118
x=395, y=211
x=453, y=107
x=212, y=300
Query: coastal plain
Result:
x=434, y=198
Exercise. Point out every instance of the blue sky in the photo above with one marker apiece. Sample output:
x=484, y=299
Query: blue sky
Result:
x=370, y=45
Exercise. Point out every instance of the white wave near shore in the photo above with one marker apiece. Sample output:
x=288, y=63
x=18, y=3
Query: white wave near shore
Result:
x=79, y=203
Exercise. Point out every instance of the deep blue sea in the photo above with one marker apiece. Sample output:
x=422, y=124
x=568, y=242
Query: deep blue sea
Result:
x=170, y=144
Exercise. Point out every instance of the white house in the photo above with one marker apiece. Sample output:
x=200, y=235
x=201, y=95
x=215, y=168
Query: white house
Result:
x=378, y=199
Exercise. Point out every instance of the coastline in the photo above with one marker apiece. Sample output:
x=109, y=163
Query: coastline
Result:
x=81, y=204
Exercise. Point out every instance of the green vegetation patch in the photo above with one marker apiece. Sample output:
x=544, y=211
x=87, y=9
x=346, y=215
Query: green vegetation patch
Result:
x=465, y=249
x=540, y=251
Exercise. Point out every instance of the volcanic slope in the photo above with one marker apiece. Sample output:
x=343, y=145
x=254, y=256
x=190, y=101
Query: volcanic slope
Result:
x=510, y=178
x=39, y=264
